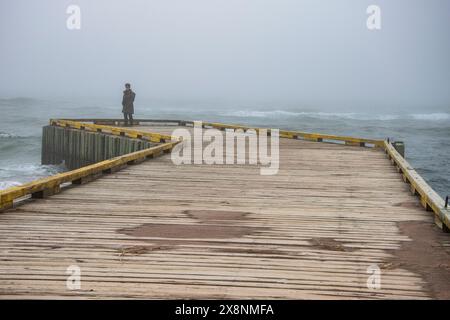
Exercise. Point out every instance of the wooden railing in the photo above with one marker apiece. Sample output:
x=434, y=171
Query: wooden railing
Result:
x=319, y=137
x=119, y=131
x=429, y=199
x=52, y=185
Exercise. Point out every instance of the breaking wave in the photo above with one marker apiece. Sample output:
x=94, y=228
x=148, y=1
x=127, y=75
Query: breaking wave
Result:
x=431, y=116
x=8, y=184
x=17, y=174
x=6, y=135
x=277, y=114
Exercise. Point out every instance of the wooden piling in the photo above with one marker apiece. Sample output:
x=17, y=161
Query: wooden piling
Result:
x=79, y=148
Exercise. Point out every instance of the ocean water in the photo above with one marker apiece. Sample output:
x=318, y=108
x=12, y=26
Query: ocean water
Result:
x=426, y=134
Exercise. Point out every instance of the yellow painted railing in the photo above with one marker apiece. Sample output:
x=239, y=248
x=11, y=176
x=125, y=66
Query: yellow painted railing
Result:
x=305, y=135
x=429, y=199
x=84, y=124
x=119, y=131
x=51, y=185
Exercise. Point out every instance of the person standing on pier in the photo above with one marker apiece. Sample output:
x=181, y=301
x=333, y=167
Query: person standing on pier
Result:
x=127, y=104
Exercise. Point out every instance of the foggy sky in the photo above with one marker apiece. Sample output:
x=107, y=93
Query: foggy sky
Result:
x=300, y=53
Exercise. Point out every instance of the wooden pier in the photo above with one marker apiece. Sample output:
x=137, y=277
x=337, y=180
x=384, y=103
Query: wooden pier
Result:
x=340, y=211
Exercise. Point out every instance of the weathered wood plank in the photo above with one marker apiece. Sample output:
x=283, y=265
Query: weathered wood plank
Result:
x=311, y=231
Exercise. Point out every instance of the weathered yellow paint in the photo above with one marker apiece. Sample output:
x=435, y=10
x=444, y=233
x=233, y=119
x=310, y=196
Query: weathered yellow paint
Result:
x=428, y=197
x=52, y=184
x=305, y=135
x=131, y=133
x=221, y=126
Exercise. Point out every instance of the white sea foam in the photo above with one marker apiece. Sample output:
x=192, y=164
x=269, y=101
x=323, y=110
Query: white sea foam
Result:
x=277, y=114
x=7, y=135
x=38, y=170
x=8, y=184
x=260, y=114
x=17, y=174
x=431, y=116
x=286, y=114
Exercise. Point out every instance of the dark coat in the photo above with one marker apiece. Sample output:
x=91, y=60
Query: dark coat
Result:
x=127, y=101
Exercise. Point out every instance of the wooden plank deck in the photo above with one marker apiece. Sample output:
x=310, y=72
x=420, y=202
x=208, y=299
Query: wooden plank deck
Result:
x=156, y=230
